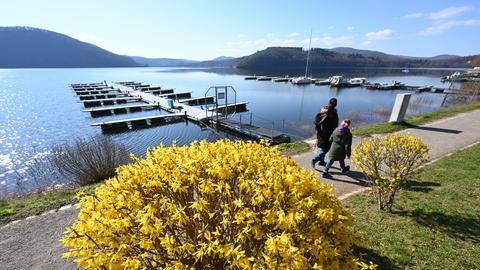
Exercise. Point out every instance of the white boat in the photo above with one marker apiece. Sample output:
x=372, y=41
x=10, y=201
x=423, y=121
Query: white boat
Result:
x=305, y=79
x=322, y=82
x=405, y=70
x=357, y=81
x=301, y=80
x=336, y=81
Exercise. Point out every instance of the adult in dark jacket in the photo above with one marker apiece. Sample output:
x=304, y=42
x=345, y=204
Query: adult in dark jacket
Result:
x=325, y=123
x=341, y=148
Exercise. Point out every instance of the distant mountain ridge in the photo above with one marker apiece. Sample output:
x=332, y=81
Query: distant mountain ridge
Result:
x=28, y=47
x=274, y=58
x=163, y=62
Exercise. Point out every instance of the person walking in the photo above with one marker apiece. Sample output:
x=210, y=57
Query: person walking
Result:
x=325, y=123
x=341, y=140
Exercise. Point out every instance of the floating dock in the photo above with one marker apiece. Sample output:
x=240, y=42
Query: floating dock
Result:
x=139, y=122
x=178, y=105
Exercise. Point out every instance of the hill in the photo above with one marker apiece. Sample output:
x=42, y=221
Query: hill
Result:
x=275, y=58
x=163, y=62
x=26, y=47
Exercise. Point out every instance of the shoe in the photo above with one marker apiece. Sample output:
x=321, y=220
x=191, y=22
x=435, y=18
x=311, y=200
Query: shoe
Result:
x=347, y=168
x=313, y=163
x=322, y=163
x=326, y=175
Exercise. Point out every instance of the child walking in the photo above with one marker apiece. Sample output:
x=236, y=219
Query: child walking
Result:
x=341, y=140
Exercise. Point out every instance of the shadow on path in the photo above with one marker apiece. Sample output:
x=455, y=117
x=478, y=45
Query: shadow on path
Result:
x=357, y=178
x=444, y=130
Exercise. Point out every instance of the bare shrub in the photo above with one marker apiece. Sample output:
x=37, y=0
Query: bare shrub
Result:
x=89, y=161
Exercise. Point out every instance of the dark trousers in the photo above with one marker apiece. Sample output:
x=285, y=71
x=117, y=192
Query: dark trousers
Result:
x=330, y=163
x=323, y=151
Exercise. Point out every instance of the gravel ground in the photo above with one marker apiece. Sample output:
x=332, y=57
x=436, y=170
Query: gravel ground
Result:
x=33, y=243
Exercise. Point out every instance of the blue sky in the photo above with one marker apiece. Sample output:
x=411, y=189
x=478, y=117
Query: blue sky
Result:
x=205, y=29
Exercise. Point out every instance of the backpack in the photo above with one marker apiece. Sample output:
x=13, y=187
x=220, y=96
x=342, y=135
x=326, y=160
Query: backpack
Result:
x=319, y=119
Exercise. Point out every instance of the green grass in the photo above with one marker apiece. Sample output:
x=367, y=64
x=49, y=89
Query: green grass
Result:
x=414, y=120
x=436, y=219
x=293, y=148
x=35, y=204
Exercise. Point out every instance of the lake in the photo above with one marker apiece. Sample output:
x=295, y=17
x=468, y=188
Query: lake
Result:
x=39, y=109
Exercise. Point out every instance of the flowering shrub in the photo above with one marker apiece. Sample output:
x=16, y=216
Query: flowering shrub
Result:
x=223, y=205
x=388, y=162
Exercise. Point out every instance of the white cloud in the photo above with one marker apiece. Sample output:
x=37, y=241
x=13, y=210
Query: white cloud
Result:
x=413, y=15
x=90, y=39
x=441, y=14
x=293, y=34
x=242, y=35
x=248, y=45
x=350, y=28
x=270, y=35
x=442, y=26
x=379, y=35
x=448, y=12
x=328, y=41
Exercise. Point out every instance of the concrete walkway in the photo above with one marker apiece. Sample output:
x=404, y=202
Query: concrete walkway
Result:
x=443, y=137
x=33, y=243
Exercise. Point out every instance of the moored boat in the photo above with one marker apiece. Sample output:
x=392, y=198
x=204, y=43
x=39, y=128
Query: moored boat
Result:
x=301, y=80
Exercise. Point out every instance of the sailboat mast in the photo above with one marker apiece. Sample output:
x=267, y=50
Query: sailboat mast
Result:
x=308, y=54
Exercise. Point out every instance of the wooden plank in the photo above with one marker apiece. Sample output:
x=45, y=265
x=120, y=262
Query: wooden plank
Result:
x=110, y=99
x=121, y=107
x=177, y=95
x=139, y=118
x=198, y=100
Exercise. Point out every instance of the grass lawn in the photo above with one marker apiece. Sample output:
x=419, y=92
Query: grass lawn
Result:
x=436, y=219
x=35, y=204
x=414, y=120
x=293, y=148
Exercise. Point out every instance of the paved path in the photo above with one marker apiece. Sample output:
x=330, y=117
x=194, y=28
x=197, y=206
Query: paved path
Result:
x=33, y=243
x=444, y=136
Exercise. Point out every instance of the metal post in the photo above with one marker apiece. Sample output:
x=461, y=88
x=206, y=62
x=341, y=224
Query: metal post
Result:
x=400, y=107
x=444, y=100
x=216, y=108
x=273, y=127
x=226, y=103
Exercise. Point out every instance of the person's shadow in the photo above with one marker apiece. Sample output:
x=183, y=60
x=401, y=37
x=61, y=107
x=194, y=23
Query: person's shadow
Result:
x=351, y=177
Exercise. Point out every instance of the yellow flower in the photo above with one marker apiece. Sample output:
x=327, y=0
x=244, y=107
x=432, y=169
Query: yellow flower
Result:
x=213, y=205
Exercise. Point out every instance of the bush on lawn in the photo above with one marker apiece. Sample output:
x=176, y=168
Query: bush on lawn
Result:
x=387, y=162
x=222, y=205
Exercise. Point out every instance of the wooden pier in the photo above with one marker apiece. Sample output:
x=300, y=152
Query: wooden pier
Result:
x=179, y=105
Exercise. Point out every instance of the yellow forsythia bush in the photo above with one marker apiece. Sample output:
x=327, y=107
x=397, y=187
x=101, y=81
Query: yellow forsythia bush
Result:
x=387, y=162
x=222, y=205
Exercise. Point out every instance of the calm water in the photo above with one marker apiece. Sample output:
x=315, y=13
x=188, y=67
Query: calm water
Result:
x=38, y=109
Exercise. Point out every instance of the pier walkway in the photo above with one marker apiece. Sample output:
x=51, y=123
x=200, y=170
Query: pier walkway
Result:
x=192, y=113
